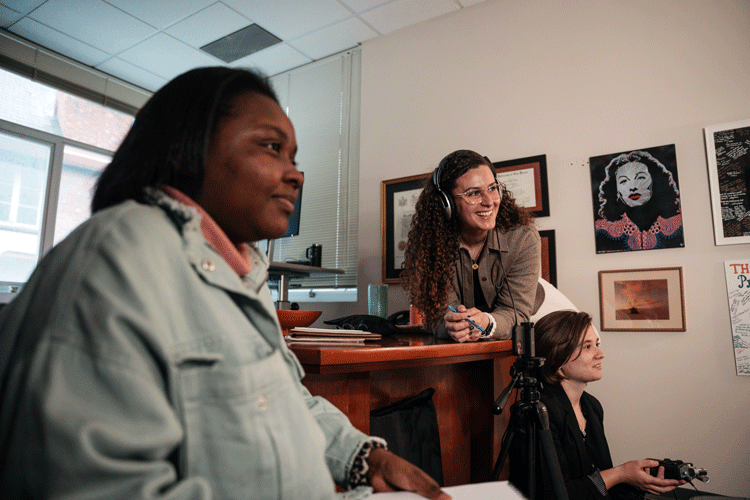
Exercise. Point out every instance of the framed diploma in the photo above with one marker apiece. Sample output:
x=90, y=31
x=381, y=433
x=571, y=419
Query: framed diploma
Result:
x=398, y=197
x=526, y=179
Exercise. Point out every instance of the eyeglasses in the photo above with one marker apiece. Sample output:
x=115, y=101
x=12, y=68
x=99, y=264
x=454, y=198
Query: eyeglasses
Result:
x=474, y=196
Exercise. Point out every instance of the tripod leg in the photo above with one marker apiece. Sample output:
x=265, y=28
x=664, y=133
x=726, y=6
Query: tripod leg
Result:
x=504, y=450
x=550, y=454
x=531, y=450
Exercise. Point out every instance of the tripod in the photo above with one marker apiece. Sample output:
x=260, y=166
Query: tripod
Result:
x=529, y=413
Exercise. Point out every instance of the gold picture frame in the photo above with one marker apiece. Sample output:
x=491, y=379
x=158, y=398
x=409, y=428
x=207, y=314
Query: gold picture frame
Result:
x=642, y=300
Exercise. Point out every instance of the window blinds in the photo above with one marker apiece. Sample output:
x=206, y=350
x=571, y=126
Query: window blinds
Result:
x=322, y=100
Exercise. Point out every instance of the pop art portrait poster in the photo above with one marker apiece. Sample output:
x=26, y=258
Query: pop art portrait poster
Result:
x=636, y=199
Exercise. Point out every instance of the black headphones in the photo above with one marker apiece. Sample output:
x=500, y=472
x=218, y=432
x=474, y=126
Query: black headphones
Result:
x=446, y=200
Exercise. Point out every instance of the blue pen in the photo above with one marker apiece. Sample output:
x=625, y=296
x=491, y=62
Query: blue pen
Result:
x=450, y=306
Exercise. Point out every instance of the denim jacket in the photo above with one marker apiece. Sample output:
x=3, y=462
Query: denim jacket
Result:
x=136, y=363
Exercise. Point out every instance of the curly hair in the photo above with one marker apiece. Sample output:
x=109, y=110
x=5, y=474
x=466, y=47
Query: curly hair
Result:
x=433, y=242
x=557, y=335
x=665, y=197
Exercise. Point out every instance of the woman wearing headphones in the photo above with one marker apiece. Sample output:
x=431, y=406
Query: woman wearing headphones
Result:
x=473, y=249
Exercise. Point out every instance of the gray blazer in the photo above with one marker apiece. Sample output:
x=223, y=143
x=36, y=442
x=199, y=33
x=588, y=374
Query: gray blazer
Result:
x=509, y=265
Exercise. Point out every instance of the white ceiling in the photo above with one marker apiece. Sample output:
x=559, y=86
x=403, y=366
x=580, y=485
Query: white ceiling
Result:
x=149, y=42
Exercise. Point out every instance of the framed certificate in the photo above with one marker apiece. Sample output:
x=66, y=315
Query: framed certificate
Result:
x=398, y=197
x=526, y=179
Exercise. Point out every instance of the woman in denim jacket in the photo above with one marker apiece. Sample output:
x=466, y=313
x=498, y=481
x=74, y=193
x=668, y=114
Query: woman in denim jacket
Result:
x=144, y=359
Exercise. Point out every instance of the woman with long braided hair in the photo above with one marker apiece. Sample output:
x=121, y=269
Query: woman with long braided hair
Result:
x=471, y=247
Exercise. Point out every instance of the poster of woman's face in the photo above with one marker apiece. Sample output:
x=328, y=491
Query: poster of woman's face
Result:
x=636, y=200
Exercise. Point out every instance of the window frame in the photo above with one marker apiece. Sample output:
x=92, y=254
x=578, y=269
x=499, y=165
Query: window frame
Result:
x=55, y=168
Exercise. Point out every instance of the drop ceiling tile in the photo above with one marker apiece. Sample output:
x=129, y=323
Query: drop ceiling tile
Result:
x=166, y=56
x=132, y=74
x=93, y=22
x=273, y=60
x=8, y=16
x=208, y=25
x=60, y=43
x=289, y=19
x=23, y=7
x=98, y=32
x=332, y=39
x=401, y=13
x=363, y=5
x=160, y=13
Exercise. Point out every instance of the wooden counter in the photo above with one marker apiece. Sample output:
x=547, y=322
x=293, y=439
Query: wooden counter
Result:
x=467, y=379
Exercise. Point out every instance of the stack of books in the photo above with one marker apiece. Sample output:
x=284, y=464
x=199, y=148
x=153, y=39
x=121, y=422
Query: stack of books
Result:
x=336, y=336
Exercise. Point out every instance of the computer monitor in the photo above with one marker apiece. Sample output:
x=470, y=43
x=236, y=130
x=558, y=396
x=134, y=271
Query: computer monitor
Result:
x=292, y=229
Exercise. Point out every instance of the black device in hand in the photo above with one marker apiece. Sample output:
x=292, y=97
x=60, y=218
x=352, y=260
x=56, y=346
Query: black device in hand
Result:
x=677, y=469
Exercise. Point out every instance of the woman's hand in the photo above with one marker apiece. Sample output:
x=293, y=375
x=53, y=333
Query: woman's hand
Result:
x=389, y=472
x=636, y=473
x=461, y=330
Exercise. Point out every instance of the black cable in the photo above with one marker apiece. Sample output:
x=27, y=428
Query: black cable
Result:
x=505, y=278
x=462, y=299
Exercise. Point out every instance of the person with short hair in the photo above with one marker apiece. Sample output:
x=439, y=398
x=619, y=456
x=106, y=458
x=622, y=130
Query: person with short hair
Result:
x=144, y=358
x=570, y=346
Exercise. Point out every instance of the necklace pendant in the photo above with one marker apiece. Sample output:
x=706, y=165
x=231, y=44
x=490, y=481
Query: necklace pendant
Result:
x=474, y=266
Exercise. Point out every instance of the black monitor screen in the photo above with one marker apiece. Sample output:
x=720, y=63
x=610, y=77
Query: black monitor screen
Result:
x=292, y=229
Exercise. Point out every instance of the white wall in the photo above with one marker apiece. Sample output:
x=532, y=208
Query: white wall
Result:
x=571, y=80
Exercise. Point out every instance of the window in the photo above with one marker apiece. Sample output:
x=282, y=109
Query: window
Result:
x=53, y=146
x=80, y=170
x=23, y=181
x=24, y=165
x=322, y=100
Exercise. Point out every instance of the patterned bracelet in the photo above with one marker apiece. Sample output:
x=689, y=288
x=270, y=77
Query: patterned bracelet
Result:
x=358, y=473
x=490, y=327
x=598, y=480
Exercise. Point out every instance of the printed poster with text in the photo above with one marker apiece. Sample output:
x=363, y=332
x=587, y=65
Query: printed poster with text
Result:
x=738, y=293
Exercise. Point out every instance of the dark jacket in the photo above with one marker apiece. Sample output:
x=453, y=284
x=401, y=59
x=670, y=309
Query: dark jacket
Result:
x=579, y=457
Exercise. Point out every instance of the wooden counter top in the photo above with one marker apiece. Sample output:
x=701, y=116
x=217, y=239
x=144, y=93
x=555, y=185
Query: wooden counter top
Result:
x=399, y=351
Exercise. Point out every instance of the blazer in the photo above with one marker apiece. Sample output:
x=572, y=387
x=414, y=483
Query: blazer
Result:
x=578, y=457
x=508, y=260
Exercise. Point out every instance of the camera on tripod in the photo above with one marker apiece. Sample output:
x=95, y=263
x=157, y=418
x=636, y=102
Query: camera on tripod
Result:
x=677, y=469
x=529, y=421
x=523, y=340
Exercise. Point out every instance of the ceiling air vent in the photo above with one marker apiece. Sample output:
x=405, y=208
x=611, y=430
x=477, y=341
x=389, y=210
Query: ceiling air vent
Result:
x=242, y=43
